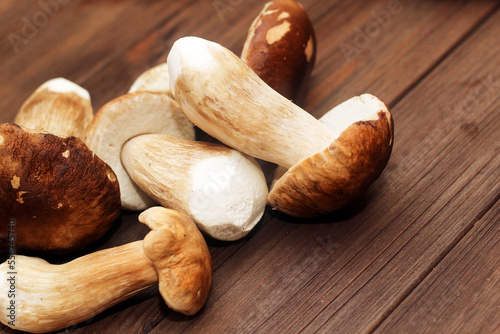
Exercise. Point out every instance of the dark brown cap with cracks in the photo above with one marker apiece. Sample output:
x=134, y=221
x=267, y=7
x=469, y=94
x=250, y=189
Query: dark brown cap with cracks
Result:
x=59, y=194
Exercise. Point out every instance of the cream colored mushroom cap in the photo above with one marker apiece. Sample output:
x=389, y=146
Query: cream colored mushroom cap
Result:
x=129, y=116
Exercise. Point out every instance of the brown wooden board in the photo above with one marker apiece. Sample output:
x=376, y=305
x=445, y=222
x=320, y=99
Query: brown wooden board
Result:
x=460, y=295
x=77, y=39
x=431, y=60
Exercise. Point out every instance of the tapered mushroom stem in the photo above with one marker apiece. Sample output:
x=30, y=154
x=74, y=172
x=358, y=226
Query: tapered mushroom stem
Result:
x=222, y=190
x=49, y=297
x=225, y=98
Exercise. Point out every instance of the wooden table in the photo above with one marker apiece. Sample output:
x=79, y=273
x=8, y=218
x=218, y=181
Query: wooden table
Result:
x=418, y=252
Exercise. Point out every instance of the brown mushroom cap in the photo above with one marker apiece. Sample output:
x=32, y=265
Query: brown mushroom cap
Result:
x=59, y=194
x=281, y=47
x=181, y=257
x=333, y=178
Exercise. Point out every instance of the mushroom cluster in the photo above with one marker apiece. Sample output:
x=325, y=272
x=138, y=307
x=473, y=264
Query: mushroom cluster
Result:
x=66, y=174
x=149, y=142
x=329, y=162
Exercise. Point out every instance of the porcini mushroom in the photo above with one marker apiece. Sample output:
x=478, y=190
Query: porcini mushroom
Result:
x=362, y=128
x=58, y=106
x=224, y=97
x=60, y=195
x=222, y=190
x=281, y=47
x=128, y=116
x=51, y=297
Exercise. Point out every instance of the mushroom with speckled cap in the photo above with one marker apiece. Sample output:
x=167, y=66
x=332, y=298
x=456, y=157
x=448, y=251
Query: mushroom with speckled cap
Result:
x=281, y=48
x=55, y=192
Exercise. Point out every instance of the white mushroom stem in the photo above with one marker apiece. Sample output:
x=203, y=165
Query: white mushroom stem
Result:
x=47, y=297
x=327, y=167
x=222, y=190
x=58, y=106
x=225, y=98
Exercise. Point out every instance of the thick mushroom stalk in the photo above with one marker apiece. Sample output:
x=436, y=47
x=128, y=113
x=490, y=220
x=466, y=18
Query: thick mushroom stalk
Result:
x=58, y=106
x=58, y=193
x=51, y=297
x=224, y=97
x=222, y=190
x=281, y=47
x=128, y=116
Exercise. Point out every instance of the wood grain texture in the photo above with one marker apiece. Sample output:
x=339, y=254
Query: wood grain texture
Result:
x=461, y=294
x=368, y=267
